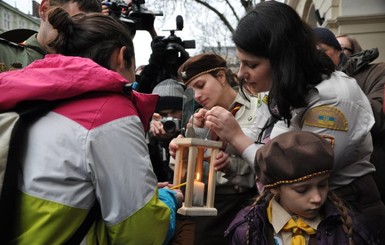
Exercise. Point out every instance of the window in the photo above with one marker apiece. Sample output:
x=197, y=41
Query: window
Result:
x=7, y=21
x=21, y=24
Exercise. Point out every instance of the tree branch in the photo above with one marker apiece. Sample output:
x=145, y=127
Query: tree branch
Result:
x=232, y=10
x=221, y=16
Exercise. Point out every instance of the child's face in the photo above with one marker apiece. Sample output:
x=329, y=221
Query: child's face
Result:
x=304, y=198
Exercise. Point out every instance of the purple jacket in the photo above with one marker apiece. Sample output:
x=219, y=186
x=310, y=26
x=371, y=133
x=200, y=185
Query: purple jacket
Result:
x=261, y=231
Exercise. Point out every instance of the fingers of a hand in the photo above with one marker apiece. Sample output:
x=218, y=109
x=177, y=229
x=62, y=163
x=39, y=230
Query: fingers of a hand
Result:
x=201, y=113
x=221, y=161
x=156, y=117
x=156, y=128
x=219, y=164
x=213, y=122
x=172, y=148
x=179, y=196
x=162, y=184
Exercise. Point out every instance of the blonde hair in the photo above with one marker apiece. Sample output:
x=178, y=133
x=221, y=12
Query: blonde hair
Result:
x=346, y=218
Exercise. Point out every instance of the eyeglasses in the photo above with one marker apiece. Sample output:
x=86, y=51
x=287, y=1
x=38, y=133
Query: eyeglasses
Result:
x=348, y=49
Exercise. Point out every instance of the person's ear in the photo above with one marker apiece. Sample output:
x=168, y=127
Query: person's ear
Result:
x=128, y=72
x=221, y=76
x=43, y=9
x=121, y=61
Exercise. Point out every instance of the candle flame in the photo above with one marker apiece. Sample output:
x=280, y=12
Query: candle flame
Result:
x=198, y=176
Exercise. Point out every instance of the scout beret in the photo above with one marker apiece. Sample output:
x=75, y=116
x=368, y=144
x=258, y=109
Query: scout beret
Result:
x=293, y=157
x=199, y=65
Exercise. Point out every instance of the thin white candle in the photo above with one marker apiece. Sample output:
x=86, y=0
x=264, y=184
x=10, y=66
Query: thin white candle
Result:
x=198, y=192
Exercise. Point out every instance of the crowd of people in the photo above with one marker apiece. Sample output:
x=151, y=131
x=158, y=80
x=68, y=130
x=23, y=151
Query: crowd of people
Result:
x=303, y=134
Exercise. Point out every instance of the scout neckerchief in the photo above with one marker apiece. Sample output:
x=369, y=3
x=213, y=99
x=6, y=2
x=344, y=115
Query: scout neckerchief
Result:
x=235, y=108
x=296, y=227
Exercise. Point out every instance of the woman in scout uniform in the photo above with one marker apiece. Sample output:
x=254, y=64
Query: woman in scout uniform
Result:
x=296, y=206
x=211, y=80
x=305, y=93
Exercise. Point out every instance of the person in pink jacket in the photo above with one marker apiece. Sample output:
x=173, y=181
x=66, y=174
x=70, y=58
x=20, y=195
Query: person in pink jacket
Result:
x=91, y=147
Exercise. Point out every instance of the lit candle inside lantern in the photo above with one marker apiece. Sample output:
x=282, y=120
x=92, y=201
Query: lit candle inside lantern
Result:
x=198, y=192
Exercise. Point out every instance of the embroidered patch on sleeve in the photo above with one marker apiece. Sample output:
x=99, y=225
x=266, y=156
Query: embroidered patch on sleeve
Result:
x=326, y=117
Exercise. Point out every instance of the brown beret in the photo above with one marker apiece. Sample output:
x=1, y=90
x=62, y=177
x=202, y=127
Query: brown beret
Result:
x=292, y=157
x=199, y=65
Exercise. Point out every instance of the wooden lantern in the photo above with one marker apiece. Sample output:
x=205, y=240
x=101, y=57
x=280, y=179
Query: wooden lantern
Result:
x=194, y=202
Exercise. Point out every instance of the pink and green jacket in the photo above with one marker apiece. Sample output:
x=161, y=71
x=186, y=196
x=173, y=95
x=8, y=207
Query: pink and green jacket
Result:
x=89, y=148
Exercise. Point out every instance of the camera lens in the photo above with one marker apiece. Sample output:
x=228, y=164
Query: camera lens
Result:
x=171, y=54
x=169, y=127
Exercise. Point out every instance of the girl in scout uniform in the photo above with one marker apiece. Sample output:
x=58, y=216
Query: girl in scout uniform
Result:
x=296, y=206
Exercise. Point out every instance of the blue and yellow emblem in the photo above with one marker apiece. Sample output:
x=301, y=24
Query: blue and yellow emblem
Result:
x=326, y=117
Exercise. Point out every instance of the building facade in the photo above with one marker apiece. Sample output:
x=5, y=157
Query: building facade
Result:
x=364, y=20
x=12, y=18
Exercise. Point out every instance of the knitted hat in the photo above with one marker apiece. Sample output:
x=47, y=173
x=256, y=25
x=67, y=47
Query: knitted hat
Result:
x=326, y=36
x=199, y=65
x=170, y=95
x=293, y=157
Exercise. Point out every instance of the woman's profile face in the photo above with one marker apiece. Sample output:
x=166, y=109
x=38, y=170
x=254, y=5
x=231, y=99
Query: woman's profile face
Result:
x=208, y=90
x=255, y=71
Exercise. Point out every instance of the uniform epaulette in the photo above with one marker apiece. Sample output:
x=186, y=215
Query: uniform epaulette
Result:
x=2, y=40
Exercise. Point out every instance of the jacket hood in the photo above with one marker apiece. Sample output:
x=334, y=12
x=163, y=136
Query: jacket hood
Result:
x=60, y=77
x=355, y=63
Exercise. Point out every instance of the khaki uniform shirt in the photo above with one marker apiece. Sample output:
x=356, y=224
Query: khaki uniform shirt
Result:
x=252, y=116
x=16, y=56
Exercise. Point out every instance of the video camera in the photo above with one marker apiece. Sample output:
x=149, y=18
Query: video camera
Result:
x=135, y=17
x=174, y=44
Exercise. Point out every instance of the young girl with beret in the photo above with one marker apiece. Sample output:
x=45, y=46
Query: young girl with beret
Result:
x=296, y=206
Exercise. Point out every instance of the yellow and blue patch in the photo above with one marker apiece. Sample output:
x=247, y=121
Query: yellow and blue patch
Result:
x=326, y=117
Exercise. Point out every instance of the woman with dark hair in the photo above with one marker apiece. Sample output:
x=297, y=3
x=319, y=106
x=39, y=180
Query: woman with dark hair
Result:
x=212, y=81
x=90, y=148
x=305, y=93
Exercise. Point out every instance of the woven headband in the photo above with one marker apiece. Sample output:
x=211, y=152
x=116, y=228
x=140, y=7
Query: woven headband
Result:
x=183, y=73
x=296, y=180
